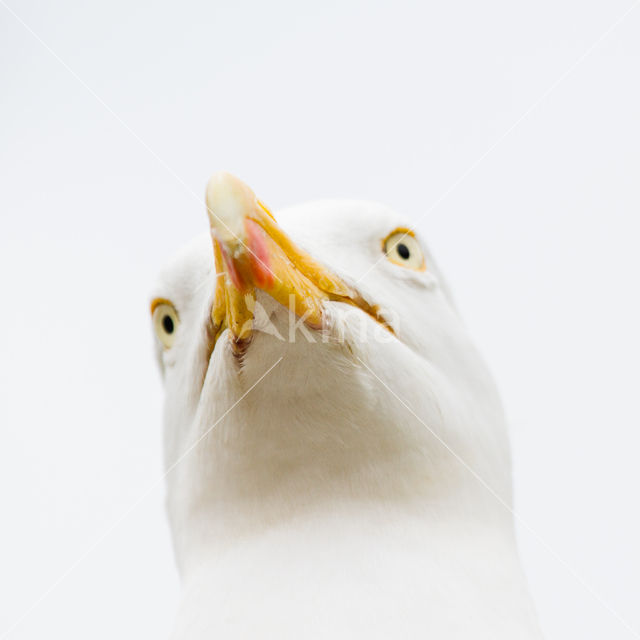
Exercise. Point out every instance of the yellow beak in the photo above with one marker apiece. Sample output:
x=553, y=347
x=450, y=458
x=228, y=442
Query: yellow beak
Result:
x=252, y=252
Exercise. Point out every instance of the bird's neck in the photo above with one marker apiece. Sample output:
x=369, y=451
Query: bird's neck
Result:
x=339, y=468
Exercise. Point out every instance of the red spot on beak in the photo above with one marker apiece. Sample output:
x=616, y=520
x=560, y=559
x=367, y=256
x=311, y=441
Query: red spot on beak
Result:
x=259, y=255
x=230, y=267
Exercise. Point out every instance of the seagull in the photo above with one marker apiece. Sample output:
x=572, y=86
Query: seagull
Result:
x=336, y=455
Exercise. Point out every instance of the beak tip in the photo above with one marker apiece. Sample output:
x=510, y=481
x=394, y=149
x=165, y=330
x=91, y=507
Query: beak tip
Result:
x=229, y=201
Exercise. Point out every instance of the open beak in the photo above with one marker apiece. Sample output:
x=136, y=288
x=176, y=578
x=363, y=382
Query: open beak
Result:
x=252, y=252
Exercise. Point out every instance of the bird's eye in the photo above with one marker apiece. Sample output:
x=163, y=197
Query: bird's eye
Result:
x=165, y=321
x=402, y=248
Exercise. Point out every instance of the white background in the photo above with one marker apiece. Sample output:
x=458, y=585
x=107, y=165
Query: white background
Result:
x=510, y=133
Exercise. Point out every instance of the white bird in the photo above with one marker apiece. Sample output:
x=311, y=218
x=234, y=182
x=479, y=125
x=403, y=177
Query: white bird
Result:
x=336, y=453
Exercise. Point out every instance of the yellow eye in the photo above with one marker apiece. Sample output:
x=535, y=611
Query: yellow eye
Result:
x=165, y=321
x=402, y=248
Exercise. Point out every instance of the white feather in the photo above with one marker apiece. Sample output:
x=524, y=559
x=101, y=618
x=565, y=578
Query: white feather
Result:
x=327, y=503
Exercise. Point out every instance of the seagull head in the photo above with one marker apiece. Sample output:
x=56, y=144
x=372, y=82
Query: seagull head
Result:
x=312, y=357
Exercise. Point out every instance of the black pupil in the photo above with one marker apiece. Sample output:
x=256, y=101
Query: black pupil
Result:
x=403, y=250
x=167, y=323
